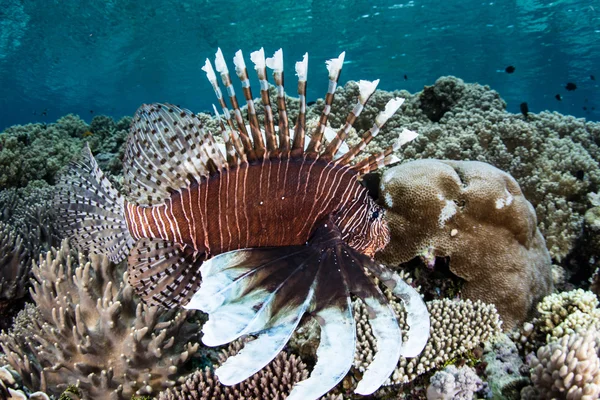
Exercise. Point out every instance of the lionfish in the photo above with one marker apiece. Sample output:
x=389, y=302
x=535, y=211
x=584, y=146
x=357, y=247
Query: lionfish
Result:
x=274, y=227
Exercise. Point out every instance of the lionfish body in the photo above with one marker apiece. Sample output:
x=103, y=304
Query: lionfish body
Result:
x=274, y=227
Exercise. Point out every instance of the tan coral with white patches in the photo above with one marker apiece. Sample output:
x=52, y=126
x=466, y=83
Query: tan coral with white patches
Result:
x=450, y=209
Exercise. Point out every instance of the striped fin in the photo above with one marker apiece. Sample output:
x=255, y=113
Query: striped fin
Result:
x=265, y=292
x=334, y=66
x=167, y=149
x=260, y=65
x=390, y=108
x=386, y=157
x=300, y=128
x=276, y=64
x=221, y=66
x=365, y=89
x=242, y=73
x=164, y=273
x=90, y=211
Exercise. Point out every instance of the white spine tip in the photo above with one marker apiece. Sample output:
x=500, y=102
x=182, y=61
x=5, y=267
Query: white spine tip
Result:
x=258, y=58
x=216, y=112
x=220, y=64
x=366, y=89
x=334, y=66
x=405, y=136
x=302, y=68
x=238, y=61
x=390, y=108
x=276, y=62
x=210, y=72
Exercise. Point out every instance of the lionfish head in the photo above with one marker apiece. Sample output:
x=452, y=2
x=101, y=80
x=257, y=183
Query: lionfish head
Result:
x=372, y=233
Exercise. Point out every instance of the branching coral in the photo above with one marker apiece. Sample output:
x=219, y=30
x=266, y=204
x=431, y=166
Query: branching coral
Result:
x=272, y=382
x=568, y=368
x=560, y=314
x=456, y=328
x=91, y=332
x=477, y=216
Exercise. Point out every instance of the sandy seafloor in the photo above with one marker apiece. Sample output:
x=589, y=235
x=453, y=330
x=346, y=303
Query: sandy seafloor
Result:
x=80, y=332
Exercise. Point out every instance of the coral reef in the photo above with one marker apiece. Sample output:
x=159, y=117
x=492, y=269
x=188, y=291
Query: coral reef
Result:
x=477, y=216
x=568, y=368
x=14, y=274
x=38, y=151
x=503, y=367
x=551, y=156
x=560, y=314
x=88, y=330
x=272, y=382
x=456, y=328
x=454, y=383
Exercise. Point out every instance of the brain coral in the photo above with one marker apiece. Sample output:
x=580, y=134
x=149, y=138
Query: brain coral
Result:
x=88, y=330
x=477, y=216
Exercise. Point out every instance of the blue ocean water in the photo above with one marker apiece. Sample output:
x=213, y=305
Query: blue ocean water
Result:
x=94, y=57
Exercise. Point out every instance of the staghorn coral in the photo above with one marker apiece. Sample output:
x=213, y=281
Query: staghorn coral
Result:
x=560, y=314
x=454, y=383
x=568, y=368
x=91, y=332
x=477, y=216
x=456, y=328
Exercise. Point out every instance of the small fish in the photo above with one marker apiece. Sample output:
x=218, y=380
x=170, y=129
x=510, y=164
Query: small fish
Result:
x=510, y=69
x=311, y=103
x=91, y=111
x=570, y=86
x=558, y=97
x=405, y=77
x=524, y=109
x=592, y=77
x=275, y=227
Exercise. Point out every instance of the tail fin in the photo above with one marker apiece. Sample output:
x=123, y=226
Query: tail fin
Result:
x=91, y=211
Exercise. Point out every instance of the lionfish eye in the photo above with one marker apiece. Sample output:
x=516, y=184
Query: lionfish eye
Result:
x=375, y=215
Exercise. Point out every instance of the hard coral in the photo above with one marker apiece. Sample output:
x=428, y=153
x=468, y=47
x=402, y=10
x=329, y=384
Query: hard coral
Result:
x=38, y=151
x=552, y=156
x=91, y=332
x=560, y=314
x=275, y=381
x=453, y=383
x=568, y=368
x=477, y=216
x=14, y=274
x=456, y=328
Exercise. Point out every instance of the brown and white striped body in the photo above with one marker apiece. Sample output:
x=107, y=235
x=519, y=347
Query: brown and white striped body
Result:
x=269, y=203
x=258, y=236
